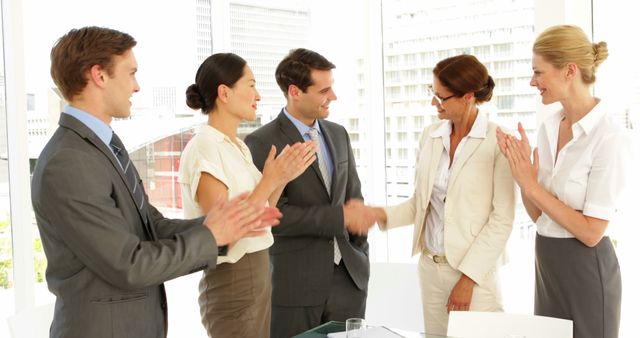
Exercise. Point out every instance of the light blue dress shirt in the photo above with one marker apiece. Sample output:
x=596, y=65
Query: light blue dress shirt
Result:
x=304, y=131
x=96, y=125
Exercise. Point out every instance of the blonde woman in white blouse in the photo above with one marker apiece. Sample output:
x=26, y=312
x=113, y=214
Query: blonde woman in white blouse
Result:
x=235, y=297
x=571, y=186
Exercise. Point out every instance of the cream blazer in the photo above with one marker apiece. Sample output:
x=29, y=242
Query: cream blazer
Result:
x=480, y=205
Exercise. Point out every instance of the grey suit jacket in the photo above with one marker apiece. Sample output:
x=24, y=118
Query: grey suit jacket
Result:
x=105, y=267
x=302, y=254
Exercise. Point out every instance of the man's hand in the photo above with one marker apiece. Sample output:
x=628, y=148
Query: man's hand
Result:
x=358, y=218
x=232, y=220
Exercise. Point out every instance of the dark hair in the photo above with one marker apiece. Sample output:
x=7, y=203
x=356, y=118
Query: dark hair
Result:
x=218, y=69
x=73, y=55
x=295, y=69
x=464, y=74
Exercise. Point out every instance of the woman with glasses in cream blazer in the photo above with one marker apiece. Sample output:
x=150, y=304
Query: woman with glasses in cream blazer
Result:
x=463, y=205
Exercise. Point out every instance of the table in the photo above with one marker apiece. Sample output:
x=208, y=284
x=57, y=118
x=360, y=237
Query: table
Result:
x=322, y=330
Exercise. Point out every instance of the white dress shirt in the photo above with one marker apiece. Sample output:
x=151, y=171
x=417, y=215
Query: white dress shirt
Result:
x=210, y=151
x=590, y=170
x=434, y=234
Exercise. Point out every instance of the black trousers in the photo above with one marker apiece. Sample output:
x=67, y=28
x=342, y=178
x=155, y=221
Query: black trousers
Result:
x=345, y=301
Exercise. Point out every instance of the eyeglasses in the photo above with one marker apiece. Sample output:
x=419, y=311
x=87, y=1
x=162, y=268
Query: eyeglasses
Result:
x=439, y=99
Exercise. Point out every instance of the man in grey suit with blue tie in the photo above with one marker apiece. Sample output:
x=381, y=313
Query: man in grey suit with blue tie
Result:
x=320, y=262
x=108, y=249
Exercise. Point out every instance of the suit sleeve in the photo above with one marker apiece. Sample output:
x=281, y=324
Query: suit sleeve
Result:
x=314, y=220
x=167, y=228
x=492, y=239
x=405, y=213
x=82, y=208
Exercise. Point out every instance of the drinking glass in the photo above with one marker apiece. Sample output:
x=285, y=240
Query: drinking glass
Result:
x=356, y=328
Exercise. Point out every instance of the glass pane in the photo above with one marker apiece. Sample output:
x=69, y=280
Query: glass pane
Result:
x=168, y=56
x=618, y=82
x=416, y=35
x=6, y=255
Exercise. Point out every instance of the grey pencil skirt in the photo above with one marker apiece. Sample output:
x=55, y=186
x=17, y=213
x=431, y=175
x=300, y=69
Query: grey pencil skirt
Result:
x=579, y=283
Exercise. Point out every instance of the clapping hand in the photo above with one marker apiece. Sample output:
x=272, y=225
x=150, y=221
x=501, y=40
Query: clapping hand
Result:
x=292, y=161
x=518, y=153
x=232, y=220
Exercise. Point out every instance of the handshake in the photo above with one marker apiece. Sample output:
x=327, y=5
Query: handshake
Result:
x=359, y=218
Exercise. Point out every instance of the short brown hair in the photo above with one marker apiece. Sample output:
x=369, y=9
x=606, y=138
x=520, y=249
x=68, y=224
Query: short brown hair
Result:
x=295, y=69
x=463, y=74
x=79, y=50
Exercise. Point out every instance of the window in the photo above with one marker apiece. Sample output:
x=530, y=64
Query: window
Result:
x=503, y=50
x=619, y=85
x=499, y=33
x=6, y=247
x=353, y=124
x=401, y=121
x=504, y=85
x=418, y=122
x=490, y=30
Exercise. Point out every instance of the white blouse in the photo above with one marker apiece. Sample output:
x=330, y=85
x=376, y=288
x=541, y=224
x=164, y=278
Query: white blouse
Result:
x=434, y=234
x=210, y=151
x=591, y=169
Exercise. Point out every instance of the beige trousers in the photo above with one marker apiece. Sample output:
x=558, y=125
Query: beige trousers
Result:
x=436, y=282
x=235, y=299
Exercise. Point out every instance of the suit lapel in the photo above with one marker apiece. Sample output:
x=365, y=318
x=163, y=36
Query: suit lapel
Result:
x=79, y=128
x=292, y=133
x=83, y=131
x=434, y=159
x=470, y=147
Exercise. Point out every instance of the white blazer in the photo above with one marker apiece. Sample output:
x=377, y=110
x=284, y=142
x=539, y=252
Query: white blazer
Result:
x=480, y=205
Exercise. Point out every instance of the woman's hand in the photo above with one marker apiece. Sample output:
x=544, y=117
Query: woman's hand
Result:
x=292, y=161
x=460, y=297
x=518, y=153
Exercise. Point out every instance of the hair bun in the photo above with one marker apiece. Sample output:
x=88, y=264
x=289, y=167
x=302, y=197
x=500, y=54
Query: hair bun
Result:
x=600, y=53
x=195, y=100
x=485, y=93
x=490, y=83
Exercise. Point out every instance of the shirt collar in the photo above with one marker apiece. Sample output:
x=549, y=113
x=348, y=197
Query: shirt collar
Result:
x=212, y=132
x=478, y=130
x=589, y=121
x=585, y=124
x=220, y=137
x=302, y=128
x=101, y=129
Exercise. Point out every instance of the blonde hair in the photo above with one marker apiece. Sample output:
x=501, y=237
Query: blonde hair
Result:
x=562, y=44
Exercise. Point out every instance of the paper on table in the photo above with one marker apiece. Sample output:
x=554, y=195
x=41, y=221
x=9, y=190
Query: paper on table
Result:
x=372, y=332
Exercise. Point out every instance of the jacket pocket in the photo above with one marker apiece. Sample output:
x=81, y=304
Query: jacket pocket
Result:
x=123, y=298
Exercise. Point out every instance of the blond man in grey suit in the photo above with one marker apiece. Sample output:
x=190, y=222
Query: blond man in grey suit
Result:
x=108, y=249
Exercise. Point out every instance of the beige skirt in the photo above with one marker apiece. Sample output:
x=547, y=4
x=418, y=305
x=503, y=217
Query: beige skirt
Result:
x=235, y=299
